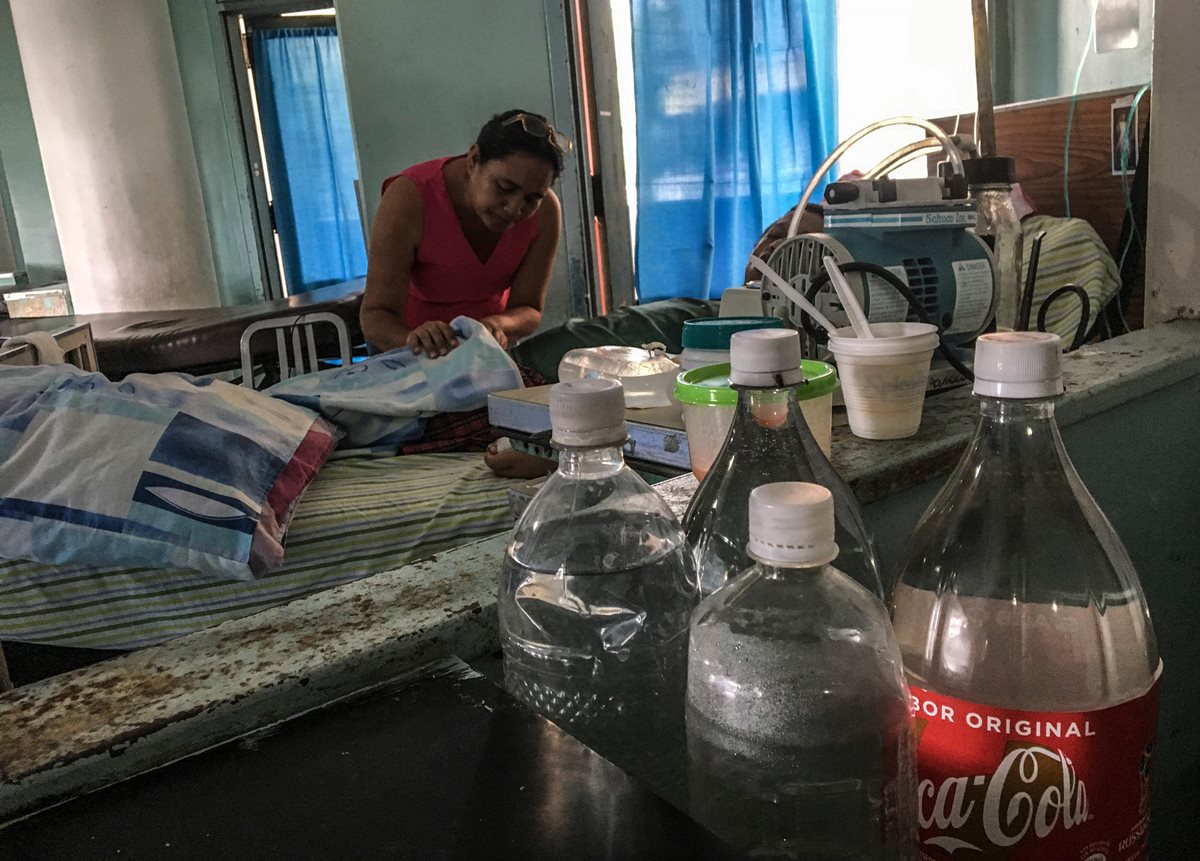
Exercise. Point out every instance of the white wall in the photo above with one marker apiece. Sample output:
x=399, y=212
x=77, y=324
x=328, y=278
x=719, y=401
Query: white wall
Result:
x=107, y=101
x=1173, y=218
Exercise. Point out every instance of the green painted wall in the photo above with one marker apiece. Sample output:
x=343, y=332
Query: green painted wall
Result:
x=422, y=78
x=1048, y=37
x=212, y=116
x=22, y=165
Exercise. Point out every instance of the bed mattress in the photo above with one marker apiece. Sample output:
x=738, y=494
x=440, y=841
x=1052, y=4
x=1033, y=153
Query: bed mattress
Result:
x=359, y=517
x=198, y=340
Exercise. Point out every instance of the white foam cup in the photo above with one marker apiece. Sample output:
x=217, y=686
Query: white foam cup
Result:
x=884, y=378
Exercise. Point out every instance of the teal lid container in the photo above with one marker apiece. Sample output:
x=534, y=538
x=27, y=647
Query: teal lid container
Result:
x=713, y=333
x=710, y=384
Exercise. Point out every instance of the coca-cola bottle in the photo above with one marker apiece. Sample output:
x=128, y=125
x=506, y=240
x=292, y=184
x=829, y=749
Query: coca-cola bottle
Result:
x=1027, y=642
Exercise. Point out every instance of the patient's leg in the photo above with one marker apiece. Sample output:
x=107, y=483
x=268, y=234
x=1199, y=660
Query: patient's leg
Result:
x=507, y=463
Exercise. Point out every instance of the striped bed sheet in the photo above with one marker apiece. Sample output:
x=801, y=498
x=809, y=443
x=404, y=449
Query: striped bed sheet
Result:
x=360, y=516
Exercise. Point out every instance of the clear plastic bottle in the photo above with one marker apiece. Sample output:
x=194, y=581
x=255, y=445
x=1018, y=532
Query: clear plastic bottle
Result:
x=597, y=587
x=990, y=181
x=768, y=441
x=799, y=731
x=1026, y=638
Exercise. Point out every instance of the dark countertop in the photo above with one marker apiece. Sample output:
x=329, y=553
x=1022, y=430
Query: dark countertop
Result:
x=439, y=763
x=87, y=728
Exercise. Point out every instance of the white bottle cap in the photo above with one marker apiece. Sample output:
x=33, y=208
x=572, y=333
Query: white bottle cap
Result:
x=587, y=413
x=791, y=523
x=1018, y=365
x=765, y=357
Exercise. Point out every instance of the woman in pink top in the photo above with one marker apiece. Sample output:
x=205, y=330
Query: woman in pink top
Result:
x=470, y=235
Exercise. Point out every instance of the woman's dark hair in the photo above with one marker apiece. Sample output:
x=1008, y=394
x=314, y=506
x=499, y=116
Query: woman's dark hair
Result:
x=497, y=140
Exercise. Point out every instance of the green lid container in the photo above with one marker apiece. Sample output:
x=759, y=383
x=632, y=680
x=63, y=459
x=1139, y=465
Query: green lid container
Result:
x=710, y=384
x=713, y=333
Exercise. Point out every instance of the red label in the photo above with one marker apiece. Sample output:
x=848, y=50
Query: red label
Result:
x=1003, y=783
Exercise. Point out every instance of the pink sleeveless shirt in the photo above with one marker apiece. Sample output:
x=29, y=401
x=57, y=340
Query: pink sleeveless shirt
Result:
x=447, y=277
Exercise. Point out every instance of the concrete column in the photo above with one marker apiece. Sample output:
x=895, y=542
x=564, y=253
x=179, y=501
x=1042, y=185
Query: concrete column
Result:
x=107, y=102
x=1173, y=216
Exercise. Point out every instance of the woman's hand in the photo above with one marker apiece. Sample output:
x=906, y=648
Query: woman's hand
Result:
x=495, y=325
x=433, y=338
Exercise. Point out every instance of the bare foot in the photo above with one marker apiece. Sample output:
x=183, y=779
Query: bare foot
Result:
x=516, y=464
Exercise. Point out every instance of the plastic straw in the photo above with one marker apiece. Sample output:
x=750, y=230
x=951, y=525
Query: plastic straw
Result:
x=854, y=311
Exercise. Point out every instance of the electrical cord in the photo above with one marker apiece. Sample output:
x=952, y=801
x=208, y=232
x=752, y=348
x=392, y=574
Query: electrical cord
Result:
x=1134, y=231
x=914, y=303
x=1129, y=126
x=890, y=277
x=1071, y=111
x=1081, y=327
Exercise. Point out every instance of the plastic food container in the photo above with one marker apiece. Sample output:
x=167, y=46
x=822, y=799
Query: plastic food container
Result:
x=646, y=375
x=709, y=401
x=706, y=341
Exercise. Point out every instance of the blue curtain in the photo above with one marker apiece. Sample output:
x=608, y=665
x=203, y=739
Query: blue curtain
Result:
x=310, y=154
x=736, y=107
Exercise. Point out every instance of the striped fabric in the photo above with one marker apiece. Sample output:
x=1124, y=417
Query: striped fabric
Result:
x=1072, y=253
x=359, y=516
x=165, y=470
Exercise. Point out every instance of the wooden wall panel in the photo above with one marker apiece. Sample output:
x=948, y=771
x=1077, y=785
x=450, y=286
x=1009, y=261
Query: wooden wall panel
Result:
x=1033, y=133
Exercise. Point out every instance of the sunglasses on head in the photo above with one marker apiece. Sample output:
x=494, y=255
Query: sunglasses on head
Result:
x=539, y=128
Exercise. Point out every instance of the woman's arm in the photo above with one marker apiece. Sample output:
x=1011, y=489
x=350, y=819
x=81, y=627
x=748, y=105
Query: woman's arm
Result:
x=394, y=241
x=523, y=313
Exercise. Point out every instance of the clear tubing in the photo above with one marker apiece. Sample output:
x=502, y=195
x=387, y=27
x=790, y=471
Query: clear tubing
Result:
x=902, y=157
x=942, y=137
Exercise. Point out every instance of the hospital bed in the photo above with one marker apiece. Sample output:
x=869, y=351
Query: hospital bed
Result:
x=360, y=516
x=198, y=341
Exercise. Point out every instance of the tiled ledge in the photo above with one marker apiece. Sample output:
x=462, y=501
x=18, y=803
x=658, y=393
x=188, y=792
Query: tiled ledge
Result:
x=1096, y=379
x=93, y=726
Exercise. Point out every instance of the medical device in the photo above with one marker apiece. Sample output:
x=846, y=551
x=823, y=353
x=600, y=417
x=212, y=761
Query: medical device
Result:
x=919, y=230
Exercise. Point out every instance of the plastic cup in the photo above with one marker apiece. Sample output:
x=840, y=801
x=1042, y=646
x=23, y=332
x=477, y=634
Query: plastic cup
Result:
x=884, y=378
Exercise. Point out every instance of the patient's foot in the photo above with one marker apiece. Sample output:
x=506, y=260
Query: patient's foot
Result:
x=507, y=463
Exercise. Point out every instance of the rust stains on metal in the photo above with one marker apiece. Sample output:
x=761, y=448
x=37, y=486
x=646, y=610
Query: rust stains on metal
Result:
x=104, y=722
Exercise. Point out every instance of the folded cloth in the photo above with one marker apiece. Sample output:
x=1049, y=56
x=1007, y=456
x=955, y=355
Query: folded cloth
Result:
x=48, y=351
x=384, y=401
x=158, y=470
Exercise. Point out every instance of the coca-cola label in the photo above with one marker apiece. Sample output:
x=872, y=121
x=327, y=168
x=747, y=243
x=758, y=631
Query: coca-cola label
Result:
x=1003, y=783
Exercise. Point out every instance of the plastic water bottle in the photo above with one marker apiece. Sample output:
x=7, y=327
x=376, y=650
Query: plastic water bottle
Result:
x=1027, y=641
x=597, y=588
x=768, y=441
x=799, y=731
x=990, y=180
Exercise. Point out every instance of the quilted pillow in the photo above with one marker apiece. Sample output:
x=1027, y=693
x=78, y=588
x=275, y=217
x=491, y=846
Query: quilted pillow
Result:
x=158, y=470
